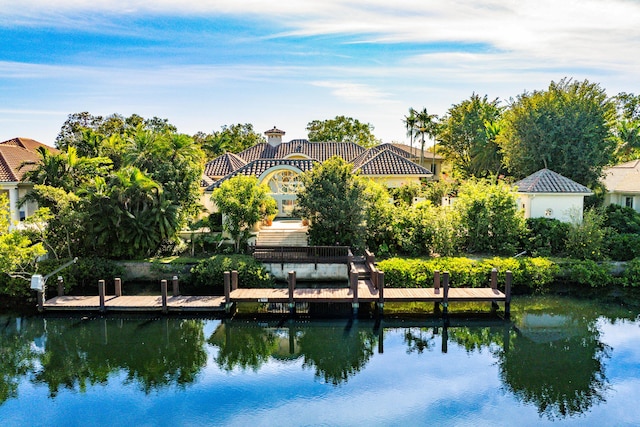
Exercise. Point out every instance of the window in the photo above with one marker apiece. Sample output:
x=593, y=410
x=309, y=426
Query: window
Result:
x=285, y=182
x=548, y=213
x=628, y=201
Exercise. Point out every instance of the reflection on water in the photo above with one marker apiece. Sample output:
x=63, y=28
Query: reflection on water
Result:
x=551, y=356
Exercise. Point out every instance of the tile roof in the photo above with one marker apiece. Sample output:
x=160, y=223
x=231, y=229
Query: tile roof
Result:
x=28, y=144
x=415, y=151
x=258, y=167
x=320, y=151
x=388, y=162
x=11, y=158
x=548, y=181
x=623, y=178
x=223, y=165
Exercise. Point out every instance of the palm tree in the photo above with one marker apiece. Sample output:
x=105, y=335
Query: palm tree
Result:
x=410, y=124
x=426, y=124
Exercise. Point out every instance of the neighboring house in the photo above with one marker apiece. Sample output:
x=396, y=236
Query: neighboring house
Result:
x=279, y=164
x=430, y=160
x=13, y=153
x=623, y=185
x=547, y=194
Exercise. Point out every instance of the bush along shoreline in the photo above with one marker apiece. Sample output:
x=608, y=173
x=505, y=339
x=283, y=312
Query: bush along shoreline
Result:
x=530, y=274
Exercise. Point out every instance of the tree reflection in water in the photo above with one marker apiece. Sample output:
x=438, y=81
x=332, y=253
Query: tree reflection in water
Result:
x=153, y=353
x=335, y=351
x=557, y=363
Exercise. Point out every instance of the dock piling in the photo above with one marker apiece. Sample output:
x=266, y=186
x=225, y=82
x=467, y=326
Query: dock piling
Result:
x=507, y=294
x=381, y=292
x=101, y=292
x=227, y=291
x=445, y=292
x=163, y=291
x=291, y=280
x=118, y=286
x=60, y=286
x=176, y=286
x=353, y=279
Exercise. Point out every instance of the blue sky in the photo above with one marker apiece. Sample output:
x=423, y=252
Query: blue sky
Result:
x=207, y=63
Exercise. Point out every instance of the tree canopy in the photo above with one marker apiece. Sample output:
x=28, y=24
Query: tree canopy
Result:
x=243, y=203
x=468, y=136
x=234, y=139
x=342, y=129
x=566, y=128
x=334, y=199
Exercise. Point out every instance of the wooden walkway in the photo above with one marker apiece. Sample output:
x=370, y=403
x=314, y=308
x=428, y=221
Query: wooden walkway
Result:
x=135, y=303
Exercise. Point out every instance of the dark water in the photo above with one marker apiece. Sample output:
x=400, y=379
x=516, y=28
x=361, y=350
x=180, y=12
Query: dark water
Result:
x=559, y=361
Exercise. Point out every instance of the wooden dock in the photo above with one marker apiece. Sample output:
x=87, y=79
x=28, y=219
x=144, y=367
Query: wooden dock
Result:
x=360, y=290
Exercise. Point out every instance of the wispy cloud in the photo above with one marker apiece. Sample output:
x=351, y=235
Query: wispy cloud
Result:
x=354, y=92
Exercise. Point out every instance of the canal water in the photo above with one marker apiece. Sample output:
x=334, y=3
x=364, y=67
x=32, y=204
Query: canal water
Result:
x=559, y=361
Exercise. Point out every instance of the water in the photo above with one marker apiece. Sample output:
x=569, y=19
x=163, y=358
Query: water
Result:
x=560, y=361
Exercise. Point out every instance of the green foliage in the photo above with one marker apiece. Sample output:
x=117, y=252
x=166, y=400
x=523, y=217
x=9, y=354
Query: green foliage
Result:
x=489, y=217
x=379, y=217
x=406, y=193
x=251, y=274
x=243, y=203
x=534, y=274
x=342, y=129
x=622, y=219
x=623, y=247
x=631, y=275
x=233, y=139
x=566, y=128
x=18, y=253
x=589, y=273
x=545, y=236
x=586, y=238
x=468, y=137
x=334, y=199
x=435, y=191
x=85, y=273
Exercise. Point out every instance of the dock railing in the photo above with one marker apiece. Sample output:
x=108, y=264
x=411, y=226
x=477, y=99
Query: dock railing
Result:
x=301, y=254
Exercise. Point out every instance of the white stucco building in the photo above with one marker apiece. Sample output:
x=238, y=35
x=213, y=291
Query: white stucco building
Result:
x=623, y=185
x=547, y=194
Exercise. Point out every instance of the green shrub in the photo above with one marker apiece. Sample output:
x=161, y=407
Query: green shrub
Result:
x=632, y=273
x=624, y=247
x=586, y=239
x=528, y=273
x=545, y=236
x=622, y=219
x=589, y=273
x=251, y=273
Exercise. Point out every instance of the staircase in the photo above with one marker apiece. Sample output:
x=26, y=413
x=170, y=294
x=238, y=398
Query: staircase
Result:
x=283, y=233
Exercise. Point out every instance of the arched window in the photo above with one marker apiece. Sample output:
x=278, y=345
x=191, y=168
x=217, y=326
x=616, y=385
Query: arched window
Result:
x=285, y=182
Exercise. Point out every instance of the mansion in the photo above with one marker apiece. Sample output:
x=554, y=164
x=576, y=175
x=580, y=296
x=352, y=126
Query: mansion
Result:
x=279, y=164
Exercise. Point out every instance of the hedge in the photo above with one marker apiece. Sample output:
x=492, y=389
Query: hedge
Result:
x=251, y=273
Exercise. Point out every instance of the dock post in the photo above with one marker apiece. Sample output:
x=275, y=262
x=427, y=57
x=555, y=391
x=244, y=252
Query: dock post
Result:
x=436, y=287
x=163, y=291
x=227, y=291
x=507, y=294
x=176, y=286
x=353, y=279
x=41, y=298
x=445, y=292
x=234, y=280
x=381, y=292
x=118, y=286
x=60, y=286
x=494, y=286
x=101, y=293
x=292, y=286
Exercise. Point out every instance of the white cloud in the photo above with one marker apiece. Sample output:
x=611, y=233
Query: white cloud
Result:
x=354, y=92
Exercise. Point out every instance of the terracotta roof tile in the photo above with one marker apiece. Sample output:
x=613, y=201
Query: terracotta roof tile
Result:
x=320, y=151
x=388, y=162
x=223, y=165
x=11, y=158
x=28, y=144
x=258, y=167
x=548, y=181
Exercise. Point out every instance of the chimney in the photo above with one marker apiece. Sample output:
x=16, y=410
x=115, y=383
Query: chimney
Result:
x=274, y=136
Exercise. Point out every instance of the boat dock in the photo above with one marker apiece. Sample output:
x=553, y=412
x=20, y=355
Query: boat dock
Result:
x=369, y=289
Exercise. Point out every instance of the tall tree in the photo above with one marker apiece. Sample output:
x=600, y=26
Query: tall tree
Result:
x=410, y=125
x=468, y=136
x=243, y=202
x=234, y=139
x=426, y=124
x=334, y=199
x=566, y=128
x=342, y=129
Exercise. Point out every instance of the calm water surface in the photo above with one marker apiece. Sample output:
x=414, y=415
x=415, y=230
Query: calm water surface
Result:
x=559, y=361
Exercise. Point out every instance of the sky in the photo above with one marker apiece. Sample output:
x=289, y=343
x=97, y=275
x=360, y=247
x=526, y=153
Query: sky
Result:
x=203, y=64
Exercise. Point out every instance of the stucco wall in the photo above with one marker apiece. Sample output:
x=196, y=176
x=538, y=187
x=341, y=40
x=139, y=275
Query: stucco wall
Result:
x=309, y=272
x=563, y=207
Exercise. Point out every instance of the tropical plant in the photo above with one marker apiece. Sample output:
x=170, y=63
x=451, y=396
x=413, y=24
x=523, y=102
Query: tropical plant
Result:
x=342, y=129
